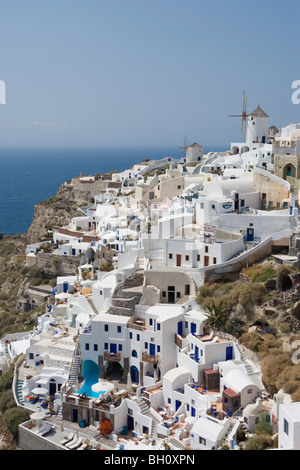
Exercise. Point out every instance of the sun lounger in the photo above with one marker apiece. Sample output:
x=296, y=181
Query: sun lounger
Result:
x=68, y=438
x=42, y=428
x=84, y=445
x=76, y=444
x=70, y=443
x=46, y=430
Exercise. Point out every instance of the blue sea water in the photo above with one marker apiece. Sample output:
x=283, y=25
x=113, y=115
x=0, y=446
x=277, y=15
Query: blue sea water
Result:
x=30, y=175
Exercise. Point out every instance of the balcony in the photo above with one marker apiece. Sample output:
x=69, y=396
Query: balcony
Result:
x=137, y=325
x=151, y=359
x=112, y=357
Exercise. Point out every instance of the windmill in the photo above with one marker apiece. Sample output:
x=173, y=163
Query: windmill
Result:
x=243, y=115
x=185, y=142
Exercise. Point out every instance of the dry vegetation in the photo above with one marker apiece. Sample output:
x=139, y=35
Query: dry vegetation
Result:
x=279, y=371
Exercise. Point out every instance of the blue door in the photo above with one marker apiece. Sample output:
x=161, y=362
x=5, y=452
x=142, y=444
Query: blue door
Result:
x=113, y=348
x=193, y=411
x=65, y=287
x=197, y=353
x=250, y=234
x=179, y=328
x=74, y=415
x=228, y=353
x=177, y=404
x=134, y=374
x=152, y=349
x=193, y=328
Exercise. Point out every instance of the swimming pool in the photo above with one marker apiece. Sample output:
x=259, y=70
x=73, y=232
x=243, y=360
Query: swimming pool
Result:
x=90, y=372
x=92, y=386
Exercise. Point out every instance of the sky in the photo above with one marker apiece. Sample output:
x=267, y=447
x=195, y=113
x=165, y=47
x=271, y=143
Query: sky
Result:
x=144, y=72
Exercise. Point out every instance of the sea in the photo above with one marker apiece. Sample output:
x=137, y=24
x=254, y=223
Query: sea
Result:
x=31, y=175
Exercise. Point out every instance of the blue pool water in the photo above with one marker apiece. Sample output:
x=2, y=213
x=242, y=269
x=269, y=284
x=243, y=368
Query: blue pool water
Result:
x=90, y=372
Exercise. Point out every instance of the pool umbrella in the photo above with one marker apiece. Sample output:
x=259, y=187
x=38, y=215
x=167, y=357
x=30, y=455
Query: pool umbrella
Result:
x=39, y=391
x=38, y=416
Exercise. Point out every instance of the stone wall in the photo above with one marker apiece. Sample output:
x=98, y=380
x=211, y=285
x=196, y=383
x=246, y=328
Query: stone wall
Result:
x=30, y=441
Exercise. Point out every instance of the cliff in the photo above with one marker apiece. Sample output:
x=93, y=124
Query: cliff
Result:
x=58, y=210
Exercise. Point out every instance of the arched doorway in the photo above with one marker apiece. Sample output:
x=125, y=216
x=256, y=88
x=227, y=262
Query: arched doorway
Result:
x=135, y=375
x=114, y=371
x=52, y=387
x=289, y=171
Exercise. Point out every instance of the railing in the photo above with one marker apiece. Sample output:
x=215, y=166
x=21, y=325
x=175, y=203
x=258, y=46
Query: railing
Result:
x=147, y=358
x=178, y=341
x=112, y=357
x=135, y=326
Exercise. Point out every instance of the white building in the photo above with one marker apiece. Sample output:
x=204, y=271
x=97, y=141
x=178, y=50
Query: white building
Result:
x=289, y=427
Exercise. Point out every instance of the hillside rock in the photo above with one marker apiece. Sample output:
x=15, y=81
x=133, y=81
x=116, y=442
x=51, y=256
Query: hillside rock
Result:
x=59, y=210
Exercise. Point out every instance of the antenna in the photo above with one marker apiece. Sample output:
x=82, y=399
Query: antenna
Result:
x=243, y=115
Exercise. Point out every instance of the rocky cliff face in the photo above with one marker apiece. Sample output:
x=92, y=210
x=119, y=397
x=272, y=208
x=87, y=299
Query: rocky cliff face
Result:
x=58, y=210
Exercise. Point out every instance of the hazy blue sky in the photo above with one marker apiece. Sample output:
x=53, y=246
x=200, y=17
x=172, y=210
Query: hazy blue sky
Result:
x=144, y=72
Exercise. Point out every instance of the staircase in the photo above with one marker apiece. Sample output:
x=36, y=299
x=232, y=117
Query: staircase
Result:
x=93, y=306
x=76, y=366
x=144, y=406
x=174, y=442
x=19, y=394
x=247, y=366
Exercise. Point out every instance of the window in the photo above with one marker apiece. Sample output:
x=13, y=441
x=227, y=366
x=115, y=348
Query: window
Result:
x=186, y=324
x=202, y=441
x=170, y=255
x=137, y=337
x=164, y=294
x=242, y=202
x=120, y=347
x=286, y=427
x=179, y=186
x=198, y=257
x=134, y=353
x=95, y=347
x=146, y=345
x=215, y=260
x=87, y=346
x=158, y=348
x=187, y=257
x=213, y=206
x=130, y=335
x=105, y=345
x=119, y=329
x=169, y=401
x=206, y=249
x=249, y=391
x=158, y=326
x=178, y=295
x=105, y=327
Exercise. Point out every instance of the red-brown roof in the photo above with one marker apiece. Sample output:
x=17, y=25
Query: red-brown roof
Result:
x=230, y=393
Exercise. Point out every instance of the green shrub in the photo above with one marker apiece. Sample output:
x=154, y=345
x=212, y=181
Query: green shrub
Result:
x=7, y=400
x=260, y=272
x=259, y=442
x=13, y=417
